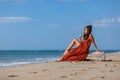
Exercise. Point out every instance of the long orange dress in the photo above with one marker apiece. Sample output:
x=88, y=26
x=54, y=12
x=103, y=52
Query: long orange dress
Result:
x=78, y=54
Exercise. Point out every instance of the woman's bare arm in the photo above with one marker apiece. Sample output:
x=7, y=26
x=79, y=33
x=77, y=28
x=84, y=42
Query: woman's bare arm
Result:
x=93, y=42
x=95, y=46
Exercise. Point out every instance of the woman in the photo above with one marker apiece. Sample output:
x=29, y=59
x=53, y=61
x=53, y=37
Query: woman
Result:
x=81, y=52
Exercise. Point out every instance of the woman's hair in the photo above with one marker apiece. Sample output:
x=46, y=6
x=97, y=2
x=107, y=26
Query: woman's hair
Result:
x=89, y=28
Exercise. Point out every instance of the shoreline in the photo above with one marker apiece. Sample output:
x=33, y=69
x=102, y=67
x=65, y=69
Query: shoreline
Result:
x=111, y=53
x=19, y=60
x=84, y=70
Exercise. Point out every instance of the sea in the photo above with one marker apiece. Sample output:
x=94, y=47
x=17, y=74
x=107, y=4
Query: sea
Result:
x=10, y=58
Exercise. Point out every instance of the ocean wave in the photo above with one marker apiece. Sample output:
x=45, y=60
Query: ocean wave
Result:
x=13, y=64
x=29, y=61
x=47, y=59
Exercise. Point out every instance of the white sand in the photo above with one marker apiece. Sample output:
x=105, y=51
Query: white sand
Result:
x=82, y=70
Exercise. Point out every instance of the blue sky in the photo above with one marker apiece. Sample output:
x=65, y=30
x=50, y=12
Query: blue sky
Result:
x=52, y=24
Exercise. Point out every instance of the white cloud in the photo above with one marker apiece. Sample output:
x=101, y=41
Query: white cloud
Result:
x=106, y=21
x=73, y=0
x=118, y=19
x=13, y=19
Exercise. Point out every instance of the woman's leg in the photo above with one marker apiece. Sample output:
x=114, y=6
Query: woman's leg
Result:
x=73, y=42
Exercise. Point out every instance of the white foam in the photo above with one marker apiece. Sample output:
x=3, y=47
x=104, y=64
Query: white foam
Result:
x=46, y=59
x=13, y=64
x=31, y=61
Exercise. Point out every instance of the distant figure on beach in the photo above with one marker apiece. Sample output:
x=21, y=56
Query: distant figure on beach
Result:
x=80, y=53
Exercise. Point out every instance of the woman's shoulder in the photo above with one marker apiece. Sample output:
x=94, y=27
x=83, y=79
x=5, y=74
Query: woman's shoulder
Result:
x=91, y=37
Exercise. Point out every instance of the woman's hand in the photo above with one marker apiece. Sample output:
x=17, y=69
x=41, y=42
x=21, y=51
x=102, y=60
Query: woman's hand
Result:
x=99, y=50
x=80, y=36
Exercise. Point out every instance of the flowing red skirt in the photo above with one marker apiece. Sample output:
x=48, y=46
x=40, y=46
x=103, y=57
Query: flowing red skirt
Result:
x=78, y=54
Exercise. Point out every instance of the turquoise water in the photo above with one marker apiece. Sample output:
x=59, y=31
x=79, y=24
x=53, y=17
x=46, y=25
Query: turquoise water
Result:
x=21, y=57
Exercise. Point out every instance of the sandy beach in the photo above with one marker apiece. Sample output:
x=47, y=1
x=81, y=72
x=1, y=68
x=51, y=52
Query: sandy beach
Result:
x=81, y=70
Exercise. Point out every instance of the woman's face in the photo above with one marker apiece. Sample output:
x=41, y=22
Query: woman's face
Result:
x=86, y=31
